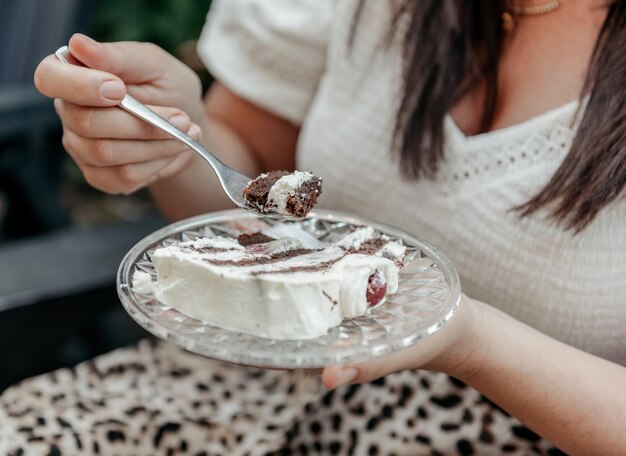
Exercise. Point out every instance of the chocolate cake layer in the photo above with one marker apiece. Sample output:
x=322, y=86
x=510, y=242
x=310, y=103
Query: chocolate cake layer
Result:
x=304, y=198
x=255, y=194
x=272, y=258
x=291, y=194
x=257, y=249
x=367, y=247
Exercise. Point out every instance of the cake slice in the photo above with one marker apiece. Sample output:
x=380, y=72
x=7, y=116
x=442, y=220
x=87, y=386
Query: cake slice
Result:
x=277, y=288
x=291, y=194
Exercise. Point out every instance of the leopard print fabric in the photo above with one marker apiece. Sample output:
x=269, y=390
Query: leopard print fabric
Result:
x=156, y=399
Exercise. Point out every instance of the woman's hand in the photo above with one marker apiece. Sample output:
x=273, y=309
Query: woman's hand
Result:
x=570, y=397
x=446, y=351
x=117, y=152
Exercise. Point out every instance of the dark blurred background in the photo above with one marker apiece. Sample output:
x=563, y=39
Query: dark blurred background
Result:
x=60, y=240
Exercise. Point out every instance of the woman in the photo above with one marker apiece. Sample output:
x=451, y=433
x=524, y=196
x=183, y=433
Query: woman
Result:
x=506, y=149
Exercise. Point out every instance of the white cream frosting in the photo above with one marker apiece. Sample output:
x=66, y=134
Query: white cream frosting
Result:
x=262, y=300
x=142, y=282
x=285, y=187
x=294, y=231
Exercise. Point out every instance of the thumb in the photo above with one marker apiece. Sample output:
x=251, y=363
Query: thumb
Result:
x=335, y=376
x=133, y=62
x=445, y=350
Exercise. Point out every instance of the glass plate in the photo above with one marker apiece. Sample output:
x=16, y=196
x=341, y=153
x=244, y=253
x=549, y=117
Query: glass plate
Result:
x=427, y=297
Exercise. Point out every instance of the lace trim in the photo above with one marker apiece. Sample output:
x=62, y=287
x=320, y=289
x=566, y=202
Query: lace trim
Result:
x=478, y=165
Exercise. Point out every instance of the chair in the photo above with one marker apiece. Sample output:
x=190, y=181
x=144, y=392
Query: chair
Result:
x=31, y=157
x=58, y=302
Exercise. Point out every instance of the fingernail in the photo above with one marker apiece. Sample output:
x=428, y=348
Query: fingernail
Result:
x=179, y=121
x=195, y=131
x=346, y=376
x=112, y=90
x=88, y=39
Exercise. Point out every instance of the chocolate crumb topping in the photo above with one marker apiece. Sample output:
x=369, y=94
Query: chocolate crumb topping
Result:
x=246, y=239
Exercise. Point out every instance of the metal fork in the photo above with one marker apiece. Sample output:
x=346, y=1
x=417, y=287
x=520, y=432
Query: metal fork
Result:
x=231, y=181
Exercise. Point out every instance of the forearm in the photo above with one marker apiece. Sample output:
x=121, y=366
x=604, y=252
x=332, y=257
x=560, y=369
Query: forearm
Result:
x=572, y=398
x=196, y=190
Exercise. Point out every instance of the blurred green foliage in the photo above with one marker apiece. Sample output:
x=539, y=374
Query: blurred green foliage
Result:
x=174, y=25
x=167, y=23
x=171, y=24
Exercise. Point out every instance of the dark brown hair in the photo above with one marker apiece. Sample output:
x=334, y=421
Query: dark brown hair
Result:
x=450, y=45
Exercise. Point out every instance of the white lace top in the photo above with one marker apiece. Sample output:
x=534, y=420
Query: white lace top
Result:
x=293, y=59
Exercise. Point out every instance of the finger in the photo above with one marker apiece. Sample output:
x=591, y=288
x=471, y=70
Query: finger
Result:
x=439, y=351
x=80, y=85
x=124, y=178
x=115, y=152
x=133, y=62
x=173, y=167
x=95, y=123
x=336, y=376
x=176, y=165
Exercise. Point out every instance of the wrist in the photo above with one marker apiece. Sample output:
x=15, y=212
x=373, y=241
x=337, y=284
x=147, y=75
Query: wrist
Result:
x=463, y=355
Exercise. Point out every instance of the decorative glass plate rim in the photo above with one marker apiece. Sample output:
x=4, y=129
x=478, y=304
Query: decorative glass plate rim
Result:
x=260, y=357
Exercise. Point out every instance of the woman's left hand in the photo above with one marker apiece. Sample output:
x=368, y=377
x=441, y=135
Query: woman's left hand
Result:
x=564, y=394
x=447, y=351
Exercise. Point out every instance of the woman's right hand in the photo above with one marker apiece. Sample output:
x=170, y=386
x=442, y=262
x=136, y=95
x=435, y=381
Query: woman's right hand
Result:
x=117, y=152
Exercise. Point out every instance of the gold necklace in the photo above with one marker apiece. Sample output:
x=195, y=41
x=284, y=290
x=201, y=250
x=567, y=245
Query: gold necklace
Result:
x=513, y=9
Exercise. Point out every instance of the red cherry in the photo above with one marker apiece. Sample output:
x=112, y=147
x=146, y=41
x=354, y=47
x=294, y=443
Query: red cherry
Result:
x=376, y=288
